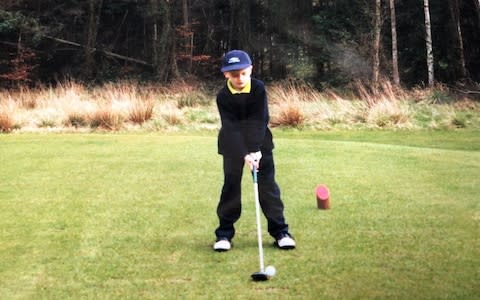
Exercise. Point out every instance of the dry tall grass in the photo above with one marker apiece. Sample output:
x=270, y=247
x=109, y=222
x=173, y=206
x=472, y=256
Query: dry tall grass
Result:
x=129, y=106
x=289, y=114
x=140, y=111
x=6, y=122
x=381, y=107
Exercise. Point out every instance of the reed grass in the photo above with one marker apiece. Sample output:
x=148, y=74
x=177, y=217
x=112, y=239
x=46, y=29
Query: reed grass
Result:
x=72, y=106
x=6, y=122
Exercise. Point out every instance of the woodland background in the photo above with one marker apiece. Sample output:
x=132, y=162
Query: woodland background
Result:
x=328, y=43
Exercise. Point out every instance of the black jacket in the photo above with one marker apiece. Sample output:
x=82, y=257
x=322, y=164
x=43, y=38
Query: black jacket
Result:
x=244, y=120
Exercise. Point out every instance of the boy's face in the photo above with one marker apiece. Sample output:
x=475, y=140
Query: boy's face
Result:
x=239, y=78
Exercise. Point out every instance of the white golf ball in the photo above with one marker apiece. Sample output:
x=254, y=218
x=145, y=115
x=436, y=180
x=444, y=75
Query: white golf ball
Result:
x=270, y=271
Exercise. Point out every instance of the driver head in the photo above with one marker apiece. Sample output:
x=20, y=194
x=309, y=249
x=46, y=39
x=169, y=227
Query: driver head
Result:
x=260, y=276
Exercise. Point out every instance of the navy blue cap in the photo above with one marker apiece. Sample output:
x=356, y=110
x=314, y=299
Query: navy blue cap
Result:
x=235, y=60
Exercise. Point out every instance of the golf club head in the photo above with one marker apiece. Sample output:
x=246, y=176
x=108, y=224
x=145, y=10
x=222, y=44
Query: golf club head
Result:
x=269, y=272
x=260, y=276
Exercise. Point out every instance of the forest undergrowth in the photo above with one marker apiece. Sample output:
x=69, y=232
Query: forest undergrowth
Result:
x=128, y=106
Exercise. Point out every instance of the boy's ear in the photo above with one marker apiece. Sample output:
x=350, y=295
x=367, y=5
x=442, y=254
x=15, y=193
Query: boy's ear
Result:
x=226, y=74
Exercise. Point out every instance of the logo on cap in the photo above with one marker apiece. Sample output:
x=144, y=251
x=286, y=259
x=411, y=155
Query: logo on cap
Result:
x=234, y=60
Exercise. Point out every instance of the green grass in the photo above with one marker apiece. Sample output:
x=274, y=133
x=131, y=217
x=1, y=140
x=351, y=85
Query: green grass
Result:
x=131, y=216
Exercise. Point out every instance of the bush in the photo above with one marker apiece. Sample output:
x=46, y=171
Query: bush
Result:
x=290, y=115
x=460, y=120
x=7, y=124
x=187, y=94
x=141, y=112
x=76, y=119
x=172, y=118
x=388, y=114
x=106, y=118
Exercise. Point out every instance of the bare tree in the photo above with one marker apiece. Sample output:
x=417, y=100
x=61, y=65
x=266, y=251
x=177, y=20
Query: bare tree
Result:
x=376, y=41
x=94, y=10
x=154, y=8
x=163, y=46
x=428, y=41
x=187, y=34
x=393, y=22
x=477, y=6
x=455, y=13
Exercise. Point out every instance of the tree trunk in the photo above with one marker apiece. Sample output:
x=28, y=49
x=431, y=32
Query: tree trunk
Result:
x=393, y=21
x=455, y=13
x=230, y=27
x=244, y=30
x=94, y=9
x=168, y=68
x=376, y=42
x=477, y=6
x=428, y=41
x=270, y=38
x=154, y=7
x=163, y=41
x=188, y=35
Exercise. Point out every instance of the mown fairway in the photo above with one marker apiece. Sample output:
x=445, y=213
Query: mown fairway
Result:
x=125, y=216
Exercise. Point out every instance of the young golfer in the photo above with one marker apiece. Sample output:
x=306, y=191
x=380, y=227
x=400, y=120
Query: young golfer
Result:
x=245, y=138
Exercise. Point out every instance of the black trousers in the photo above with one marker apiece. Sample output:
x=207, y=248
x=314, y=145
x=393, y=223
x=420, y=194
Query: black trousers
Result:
x=230, y=206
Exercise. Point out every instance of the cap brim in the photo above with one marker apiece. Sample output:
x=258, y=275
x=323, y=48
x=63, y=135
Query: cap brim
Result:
x=235, y=67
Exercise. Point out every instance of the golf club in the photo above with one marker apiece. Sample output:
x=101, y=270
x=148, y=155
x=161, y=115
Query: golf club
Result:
x=263, y=274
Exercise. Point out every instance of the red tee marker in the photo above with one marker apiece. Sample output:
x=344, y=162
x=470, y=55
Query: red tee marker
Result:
x=323, y=197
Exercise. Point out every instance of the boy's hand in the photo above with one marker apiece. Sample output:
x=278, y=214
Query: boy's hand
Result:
x=253, y=159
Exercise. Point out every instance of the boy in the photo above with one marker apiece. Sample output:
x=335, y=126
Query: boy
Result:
x=245, y=138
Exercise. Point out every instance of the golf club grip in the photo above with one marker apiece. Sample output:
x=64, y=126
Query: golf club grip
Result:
x=254, y=174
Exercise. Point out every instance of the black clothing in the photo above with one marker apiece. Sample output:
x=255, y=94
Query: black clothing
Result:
x=244, y=121
x=244, y=130
x=229, y=208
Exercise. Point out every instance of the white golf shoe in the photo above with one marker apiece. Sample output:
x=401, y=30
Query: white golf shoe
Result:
x=222, y=245
x=285, y=241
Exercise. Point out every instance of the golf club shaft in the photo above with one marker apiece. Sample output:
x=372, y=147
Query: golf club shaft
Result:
x=259, y=224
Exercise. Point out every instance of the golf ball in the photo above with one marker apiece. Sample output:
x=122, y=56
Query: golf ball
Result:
x=270, y=271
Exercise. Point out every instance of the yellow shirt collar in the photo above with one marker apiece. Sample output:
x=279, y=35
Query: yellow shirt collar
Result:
x=245, y=90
